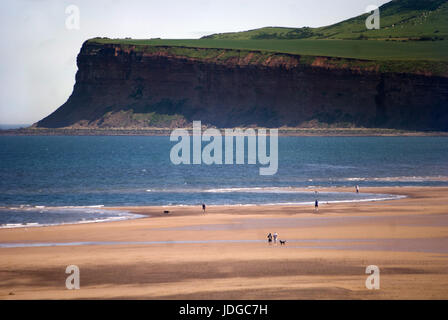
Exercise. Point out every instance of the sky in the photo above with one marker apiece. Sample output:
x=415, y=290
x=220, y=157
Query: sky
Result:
x=38, y=50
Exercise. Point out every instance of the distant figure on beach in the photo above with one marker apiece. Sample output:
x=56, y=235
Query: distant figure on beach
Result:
x=316, y=206
x=269, y=238
x=357, y=189
x=203, y=207
x=275, y=237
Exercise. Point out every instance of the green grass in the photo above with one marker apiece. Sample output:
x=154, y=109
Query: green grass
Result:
x=408, y=19
x=356, y=49
x=392, y=48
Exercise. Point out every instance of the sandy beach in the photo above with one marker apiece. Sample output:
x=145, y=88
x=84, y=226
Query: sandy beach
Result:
x=223, y=254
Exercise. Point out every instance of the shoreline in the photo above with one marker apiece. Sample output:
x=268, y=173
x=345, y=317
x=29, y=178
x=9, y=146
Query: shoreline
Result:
x=130, y=211
x=223, y=254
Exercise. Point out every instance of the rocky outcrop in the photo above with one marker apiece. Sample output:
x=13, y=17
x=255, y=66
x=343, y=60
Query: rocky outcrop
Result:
x=129, y=86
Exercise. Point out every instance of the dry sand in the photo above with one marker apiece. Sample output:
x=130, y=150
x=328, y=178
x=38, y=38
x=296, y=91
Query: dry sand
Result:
x=182, y=255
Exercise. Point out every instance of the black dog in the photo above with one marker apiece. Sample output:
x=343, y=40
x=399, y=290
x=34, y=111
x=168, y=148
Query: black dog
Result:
x=282, y=242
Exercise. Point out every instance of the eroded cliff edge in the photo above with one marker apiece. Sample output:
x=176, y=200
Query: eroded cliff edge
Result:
x=158, y=86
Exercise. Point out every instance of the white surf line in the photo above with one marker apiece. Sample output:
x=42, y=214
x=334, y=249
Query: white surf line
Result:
x=132, y=216
x=306, y=203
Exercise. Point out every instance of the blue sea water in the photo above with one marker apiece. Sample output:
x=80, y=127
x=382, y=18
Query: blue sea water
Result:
x=64, y=179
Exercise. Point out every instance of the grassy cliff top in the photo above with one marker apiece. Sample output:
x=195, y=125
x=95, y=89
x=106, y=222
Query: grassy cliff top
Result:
x=413, y=38
x=355, y=49
x=409, y=30
x=398, y=60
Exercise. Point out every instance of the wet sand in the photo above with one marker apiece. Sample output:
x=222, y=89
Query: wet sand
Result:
x=223, y=254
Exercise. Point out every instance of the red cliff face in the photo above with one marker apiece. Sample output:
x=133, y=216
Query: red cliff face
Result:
x=130, y=87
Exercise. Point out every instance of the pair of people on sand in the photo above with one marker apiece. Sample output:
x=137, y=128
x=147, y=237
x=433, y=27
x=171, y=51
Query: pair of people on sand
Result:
x=272, y=237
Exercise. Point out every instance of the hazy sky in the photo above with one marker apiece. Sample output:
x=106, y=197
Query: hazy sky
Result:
x=38, y=54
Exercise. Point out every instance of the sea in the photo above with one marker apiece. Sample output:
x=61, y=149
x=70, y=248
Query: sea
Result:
x=50, y=180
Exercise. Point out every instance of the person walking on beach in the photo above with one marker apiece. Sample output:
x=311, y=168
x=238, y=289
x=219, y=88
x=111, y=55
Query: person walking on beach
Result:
x=357, y=189
x=203, y=207
x=275, y=237
x=269, y=238
x=316, y=205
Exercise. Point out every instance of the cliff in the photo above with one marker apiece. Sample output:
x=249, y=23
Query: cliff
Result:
x=133, y=86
